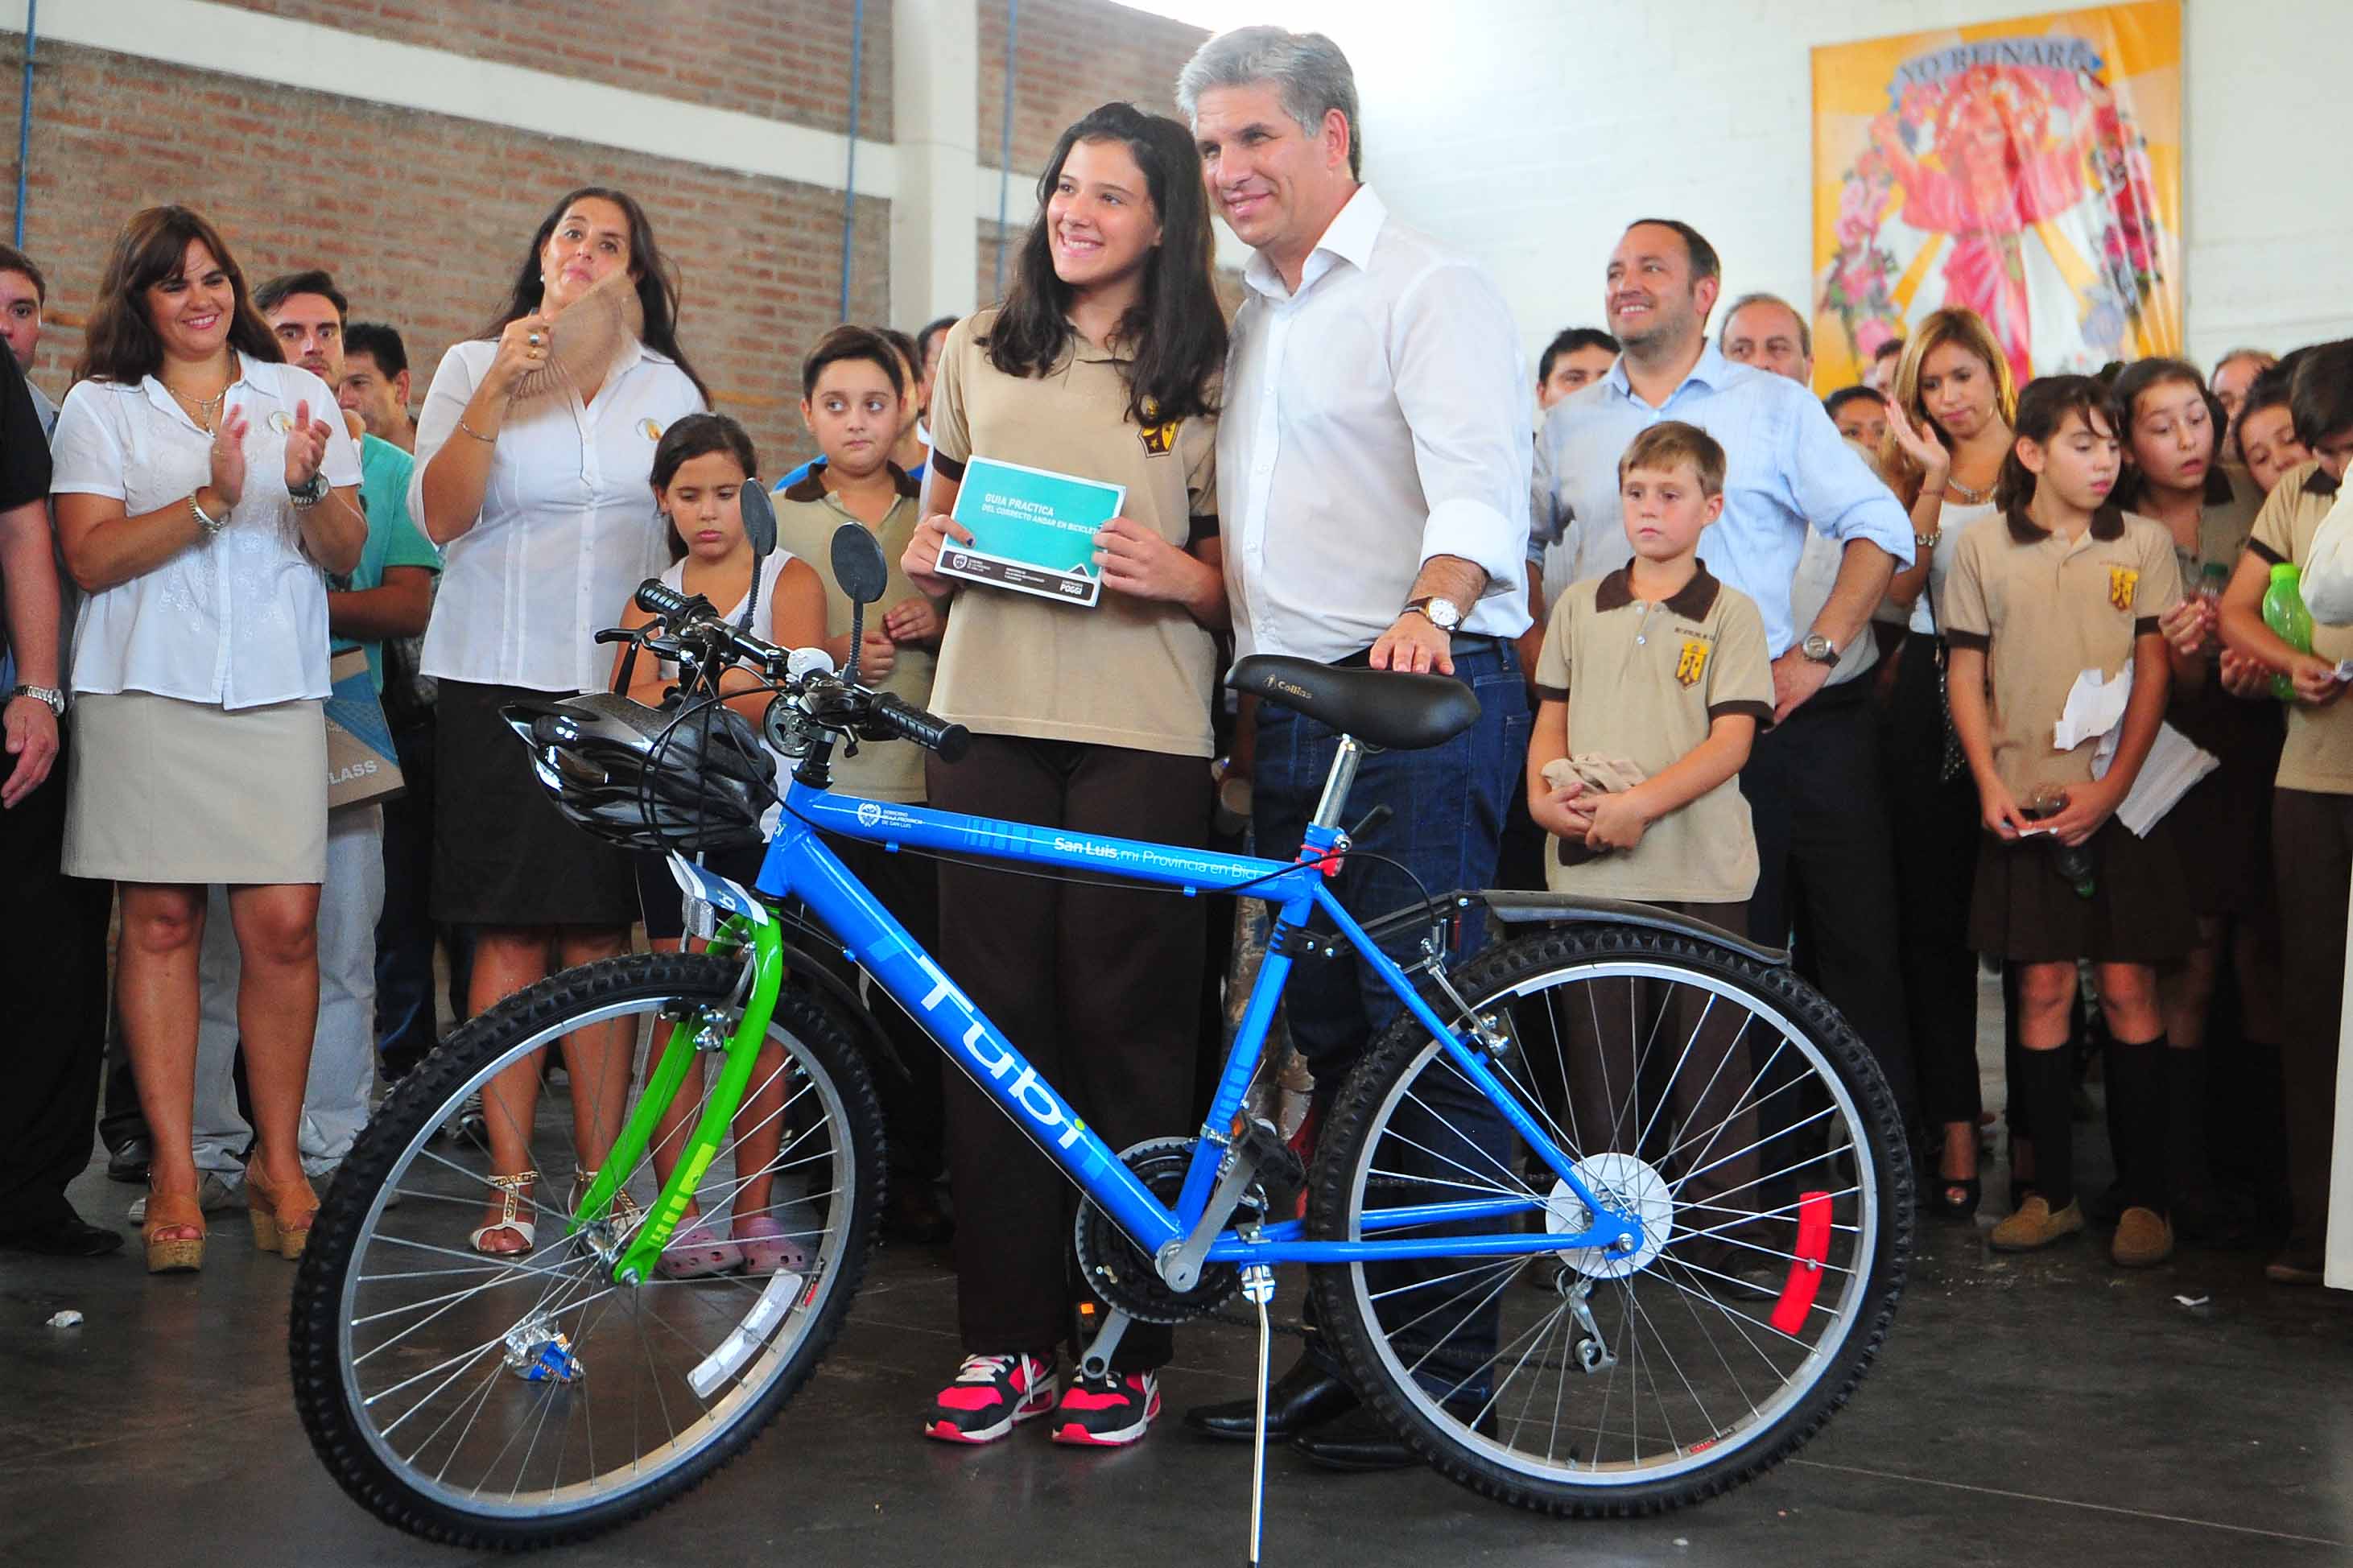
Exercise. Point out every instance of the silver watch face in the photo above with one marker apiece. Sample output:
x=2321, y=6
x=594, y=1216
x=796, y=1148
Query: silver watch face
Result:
x=1442, y=613
x=1820, y=649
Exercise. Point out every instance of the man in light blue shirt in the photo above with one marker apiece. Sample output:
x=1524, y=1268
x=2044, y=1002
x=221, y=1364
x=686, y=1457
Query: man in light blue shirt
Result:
x=1788, y=472
x=1787, y=465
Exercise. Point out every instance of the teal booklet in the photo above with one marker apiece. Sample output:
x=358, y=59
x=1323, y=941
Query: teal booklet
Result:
x=1032, y=530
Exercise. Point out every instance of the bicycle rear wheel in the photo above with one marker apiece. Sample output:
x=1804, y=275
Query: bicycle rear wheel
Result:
x=523, y=1401
x=1734, y=1110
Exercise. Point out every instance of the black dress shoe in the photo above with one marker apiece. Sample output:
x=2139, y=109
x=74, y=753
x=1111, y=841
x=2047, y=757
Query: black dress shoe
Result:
x=912, y=1212
x=1357, y=1441
x=128, y=1162
x=67, y=1237
x=1308, y=1396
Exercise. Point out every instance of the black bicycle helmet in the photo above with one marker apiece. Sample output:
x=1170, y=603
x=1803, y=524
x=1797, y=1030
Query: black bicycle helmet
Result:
x=645, y=778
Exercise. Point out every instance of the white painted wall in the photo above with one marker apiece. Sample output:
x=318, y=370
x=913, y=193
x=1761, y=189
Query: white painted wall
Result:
x=1530, y=132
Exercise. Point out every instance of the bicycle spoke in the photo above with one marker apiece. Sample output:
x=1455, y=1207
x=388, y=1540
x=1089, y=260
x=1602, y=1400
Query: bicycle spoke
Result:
x=1693, y=1073
x=433, y=1332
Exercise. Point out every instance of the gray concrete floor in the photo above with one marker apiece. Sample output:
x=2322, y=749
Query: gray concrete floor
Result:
x=2050, y=1410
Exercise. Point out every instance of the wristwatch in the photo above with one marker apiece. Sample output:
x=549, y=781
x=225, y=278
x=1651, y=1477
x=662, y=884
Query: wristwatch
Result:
x=1439, y=610
x=1819, y=648
x=309, y=493
x=48, y=694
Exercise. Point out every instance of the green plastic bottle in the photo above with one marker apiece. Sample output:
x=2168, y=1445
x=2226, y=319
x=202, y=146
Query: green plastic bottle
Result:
x=2284, y=612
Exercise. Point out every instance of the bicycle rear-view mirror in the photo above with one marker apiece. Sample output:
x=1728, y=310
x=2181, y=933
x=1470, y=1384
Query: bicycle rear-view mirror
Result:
x=857, y=563
x=759, y=520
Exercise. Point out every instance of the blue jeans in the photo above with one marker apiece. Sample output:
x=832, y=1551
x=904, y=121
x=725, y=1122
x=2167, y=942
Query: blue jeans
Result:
x=1448, y=805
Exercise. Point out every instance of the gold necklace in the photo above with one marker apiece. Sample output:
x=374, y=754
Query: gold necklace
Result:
x=207, y=410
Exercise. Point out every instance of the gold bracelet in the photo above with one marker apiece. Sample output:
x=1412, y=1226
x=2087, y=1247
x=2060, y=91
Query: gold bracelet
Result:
x=477, y=435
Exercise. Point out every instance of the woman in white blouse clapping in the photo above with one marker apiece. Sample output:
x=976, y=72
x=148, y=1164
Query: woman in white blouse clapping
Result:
x=533, y=450
x=204, y=488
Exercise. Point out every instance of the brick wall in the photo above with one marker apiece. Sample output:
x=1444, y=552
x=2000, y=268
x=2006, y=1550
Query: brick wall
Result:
x=1074, y=55
x=782, y=60
x=422, y=219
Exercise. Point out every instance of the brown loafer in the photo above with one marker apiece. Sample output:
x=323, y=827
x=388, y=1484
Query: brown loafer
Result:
x=2034, y=1227
x=2144, y=1240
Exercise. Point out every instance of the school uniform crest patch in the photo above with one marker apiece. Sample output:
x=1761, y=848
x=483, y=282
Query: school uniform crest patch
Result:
x=1691, y=663
x=1159, y=440
x=2122, y=582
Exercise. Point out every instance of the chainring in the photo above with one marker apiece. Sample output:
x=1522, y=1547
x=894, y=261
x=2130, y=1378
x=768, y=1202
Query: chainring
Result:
x=1116, y=1269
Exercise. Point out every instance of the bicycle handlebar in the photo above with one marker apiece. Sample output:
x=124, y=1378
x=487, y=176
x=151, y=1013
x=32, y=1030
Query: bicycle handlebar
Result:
x=928, y=730
x=833, y=701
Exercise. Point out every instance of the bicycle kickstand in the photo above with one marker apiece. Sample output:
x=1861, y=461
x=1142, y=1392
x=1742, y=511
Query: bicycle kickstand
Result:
x=1258, y=1284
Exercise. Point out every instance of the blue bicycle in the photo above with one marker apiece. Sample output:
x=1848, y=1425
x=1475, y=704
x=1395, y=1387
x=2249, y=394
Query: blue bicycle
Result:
x=1614, y=1217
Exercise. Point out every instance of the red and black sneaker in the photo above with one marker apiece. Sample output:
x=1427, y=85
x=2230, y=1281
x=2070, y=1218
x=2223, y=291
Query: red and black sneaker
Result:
x=990, y=1396
x=1107, y=1412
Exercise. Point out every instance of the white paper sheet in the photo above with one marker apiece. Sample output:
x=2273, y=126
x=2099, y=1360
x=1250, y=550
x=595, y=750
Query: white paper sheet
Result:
x=2095, y=707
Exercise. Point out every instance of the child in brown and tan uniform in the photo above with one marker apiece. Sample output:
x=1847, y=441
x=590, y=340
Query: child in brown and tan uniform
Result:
x=1655, y=678
x=2064, y=585
x=2312, y=808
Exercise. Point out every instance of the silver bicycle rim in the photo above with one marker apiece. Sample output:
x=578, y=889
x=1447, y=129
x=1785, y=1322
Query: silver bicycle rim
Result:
x=434, y=1401
x=1728, y=1317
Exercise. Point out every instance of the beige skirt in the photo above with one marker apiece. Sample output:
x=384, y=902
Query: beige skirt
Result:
x=166, y=791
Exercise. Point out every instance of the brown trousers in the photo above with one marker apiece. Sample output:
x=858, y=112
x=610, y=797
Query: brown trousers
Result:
x=1099, y=986
x=1631, y=1046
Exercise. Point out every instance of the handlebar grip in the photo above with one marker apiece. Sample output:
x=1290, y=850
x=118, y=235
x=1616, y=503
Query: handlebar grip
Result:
x=928, y=730
x=656, y=597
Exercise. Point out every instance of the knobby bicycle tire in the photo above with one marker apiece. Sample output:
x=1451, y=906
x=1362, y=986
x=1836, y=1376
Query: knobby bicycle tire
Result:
x=432, y=1095
x=1489, y=977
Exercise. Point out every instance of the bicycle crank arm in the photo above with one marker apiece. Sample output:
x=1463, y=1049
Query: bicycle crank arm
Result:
x=1179, y=1262
x=1096, y=1362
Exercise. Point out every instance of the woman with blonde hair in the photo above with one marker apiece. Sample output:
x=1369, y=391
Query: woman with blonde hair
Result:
x=1948, y=430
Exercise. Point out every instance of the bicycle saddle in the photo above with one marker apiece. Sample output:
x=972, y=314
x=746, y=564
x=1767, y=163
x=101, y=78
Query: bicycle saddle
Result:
x=1380, y=706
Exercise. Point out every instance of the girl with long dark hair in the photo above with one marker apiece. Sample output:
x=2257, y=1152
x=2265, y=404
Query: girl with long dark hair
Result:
x=533, y=450
x=1102, y=363
x=2062, y=584
x=2174, y=474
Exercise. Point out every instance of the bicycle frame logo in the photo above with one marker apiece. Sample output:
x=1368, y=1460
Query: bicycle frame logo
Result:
x=1028, y=1091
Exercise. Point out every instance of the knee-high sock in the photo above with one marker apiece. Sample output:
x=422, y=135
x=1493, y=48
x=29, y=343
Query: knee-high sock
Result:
x=2043, y=1087
x=2136, y=1120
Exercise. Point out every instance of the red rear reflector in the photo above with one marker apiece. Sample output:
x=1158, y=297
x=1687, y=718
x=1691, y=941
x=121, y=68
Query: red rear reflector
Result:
x=1806, y=1274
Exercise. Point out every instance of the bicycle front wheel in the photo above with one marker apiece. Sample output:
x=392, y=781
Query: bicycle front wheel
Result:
x=524, y=1400
x=1724, y=1103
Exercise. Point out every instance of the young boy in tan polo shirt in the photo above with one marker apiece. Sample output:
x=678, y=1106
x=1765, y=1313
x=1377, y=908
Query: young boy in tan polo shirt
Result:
x=1654, y=682
x=1670, y=674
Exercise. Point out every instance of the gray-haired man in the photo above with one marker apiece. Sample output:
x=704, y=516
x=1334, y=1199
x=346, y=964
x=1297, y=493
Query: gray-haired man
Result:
x=1369, y=459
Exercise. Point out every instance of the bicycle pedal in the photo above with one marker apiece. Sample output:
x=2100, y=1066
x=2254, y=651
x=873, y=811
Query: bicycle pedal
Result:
x=1280, y=1168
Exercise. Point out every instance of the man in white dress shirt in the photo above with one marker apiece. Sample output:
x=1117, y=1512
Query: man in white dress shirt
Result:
x=1370, y=455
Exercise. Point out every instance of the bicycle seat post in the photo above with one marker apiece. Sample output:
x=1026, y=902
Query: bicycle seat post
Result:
x=1336, y=784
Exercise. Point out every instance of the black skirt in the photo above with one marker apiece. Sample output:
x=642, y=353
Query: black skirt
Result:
x=2138, y=913
x=502, y=854
x=2223, y=826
